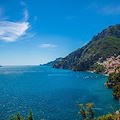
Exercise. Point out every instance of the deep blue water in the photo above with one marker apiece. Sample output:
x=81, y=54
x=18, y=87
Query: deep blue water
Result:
x=51, y=93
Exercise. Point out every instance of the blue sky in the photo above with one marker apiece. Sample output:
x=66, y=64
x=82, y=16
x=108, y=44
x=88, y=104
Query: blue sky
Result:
x=34, y=32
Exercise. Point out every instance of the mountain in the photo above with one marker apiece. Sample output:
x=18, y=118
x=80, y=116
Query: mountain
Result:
x=102, y=46
x=52, y=62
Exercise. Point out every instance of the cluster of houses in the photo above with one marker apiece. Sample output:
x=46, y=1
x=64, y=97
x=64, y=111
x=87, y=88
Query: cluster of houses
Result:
x=110, y=64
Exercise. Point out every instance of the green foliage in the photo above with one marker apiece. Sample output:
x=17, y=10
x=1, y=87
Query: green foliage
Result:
x=10, y=118
x=82, y=111
x=18, y=117
x=30, y=115
x=114, y=78
x=88, y=113
x=116, y=88
x=118, y=67
x=116, y=91
x=103, y=45
x=111, y=76
x=90, y=110
x=108, y=117
x=113, y=82
x=98, y=68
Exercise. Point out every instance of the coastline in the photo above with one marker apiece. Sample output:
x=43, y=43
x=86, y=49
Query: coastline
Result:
x=58, y=85
x=98, y=73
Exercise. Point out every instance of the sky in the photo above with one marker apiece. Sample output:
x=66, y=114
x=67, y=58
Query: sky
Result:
x=34, y=32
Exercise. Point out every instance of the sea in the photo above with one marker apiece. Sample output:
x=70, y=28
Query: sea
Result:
x=52, y=94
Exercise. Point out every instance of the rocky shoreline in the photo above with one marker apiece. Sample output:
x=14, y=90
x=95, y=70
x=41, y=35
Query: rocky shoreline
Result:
x=113, y=82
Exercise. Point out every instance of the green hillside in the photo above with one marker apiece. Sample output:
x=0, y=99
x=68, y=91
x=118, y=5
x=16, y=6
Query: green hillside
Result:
x=103, y=45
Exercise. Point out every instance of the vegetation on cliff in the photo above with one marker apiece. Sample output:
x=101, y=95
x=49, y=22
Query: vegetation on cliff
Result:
x=114, y=78
x=116, y=92
x=114, y=83
x=103, y=45
x=97, y=68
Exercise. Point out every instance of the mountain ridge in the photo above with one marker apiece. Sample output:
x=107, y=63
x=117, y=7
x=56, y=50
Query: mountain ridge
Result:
x=103, y=45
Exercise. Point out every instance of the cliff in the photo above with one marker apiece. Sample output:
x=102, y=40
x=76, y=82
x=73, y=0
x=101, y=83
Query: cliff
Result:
x=102, y=46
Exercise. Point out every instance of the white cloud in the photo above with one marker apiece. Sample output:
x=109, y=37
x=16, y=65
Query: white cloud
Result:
x=11, y=31
x=26, y=15
x=23, y=3
x=47, y=46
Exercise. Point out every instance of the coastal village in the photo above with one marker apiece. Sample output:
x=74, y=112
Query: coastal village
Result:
x=110, y=64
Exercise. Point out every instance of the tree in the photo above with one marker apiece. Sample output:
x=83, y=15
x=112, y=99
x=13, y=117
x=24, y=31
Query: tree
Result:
x=18, y=117
x=82, y=111
x=87, y=114
x=30, y=116
x=10, y=118
x=108, y=117
x=90, y=110
x=116, y=90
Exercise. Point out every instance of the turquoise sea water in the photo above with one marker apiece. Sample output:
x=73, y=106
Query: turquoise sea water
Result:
x=51, y=93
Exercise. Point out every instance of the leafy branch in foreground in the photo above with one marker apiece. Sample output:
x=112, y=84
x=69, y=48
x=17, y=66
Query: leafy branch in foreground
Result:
x=85, y=113
x=18, y=117
x=108, y=117
x=88, y=113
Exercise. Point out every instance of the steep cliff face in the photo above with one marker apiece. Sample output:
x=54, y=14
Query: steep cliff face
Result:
x=103, y=45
